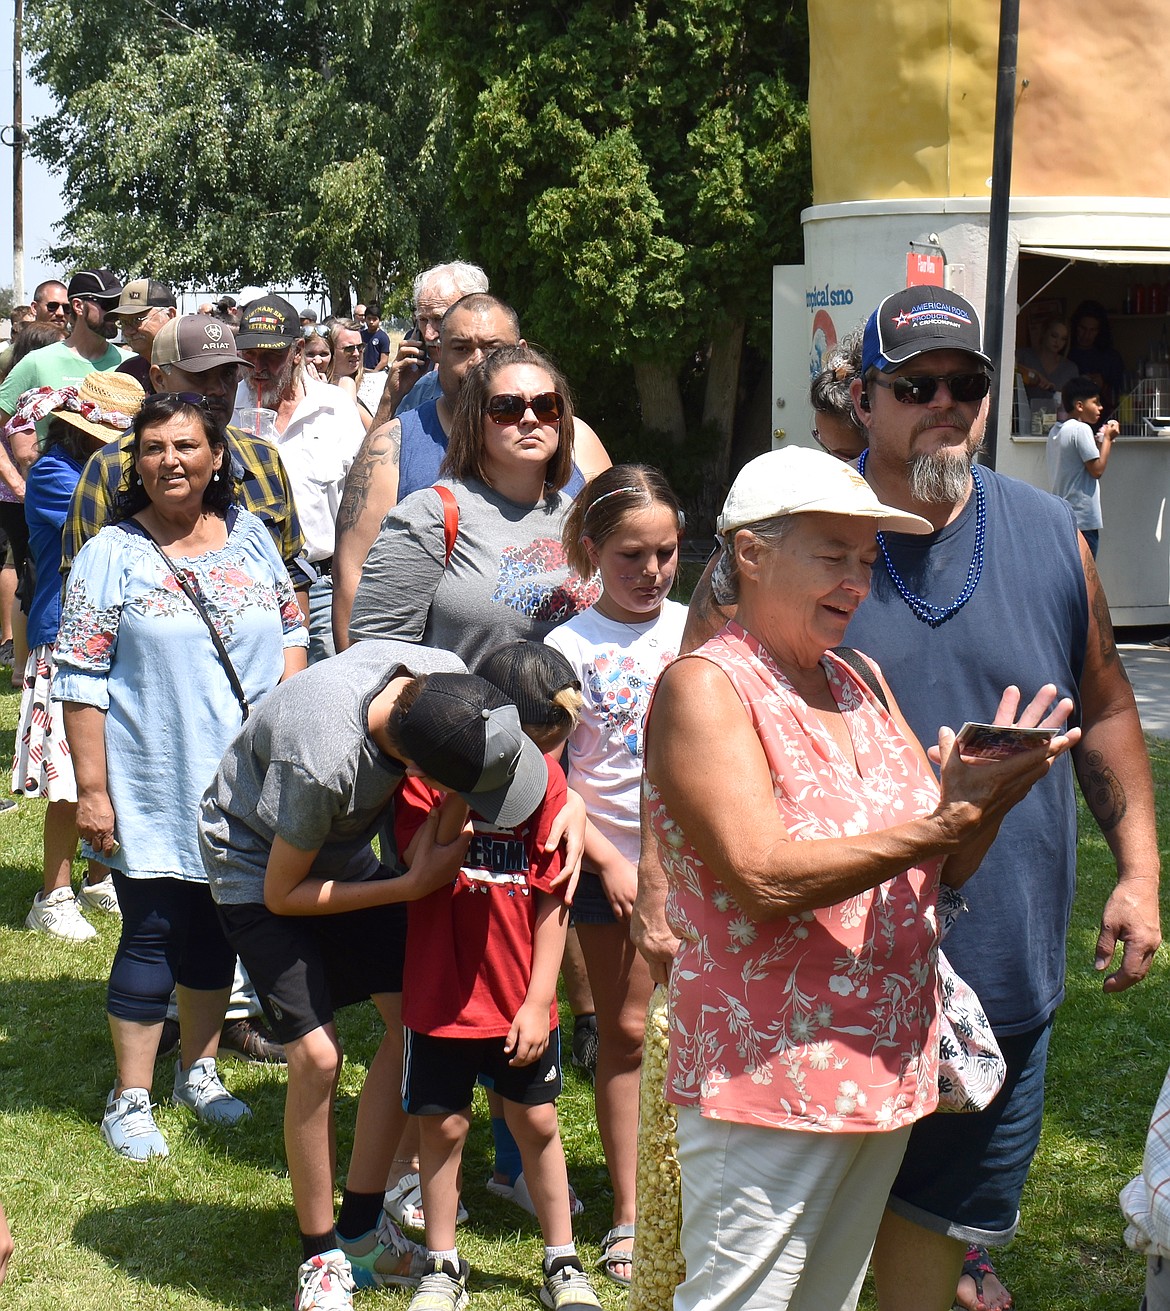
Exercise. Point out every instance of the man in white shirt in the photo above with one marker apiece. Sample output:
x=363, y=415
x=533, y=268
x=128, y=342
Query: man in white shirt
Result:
x=317, y=431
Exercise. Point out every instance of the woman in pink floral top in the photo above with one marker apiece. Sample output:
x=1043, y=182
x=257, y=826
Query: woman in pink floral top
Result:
x=802, y=862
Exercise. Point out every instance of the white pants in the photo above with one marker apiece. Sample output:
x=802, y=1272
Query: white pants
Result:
x=779, y=1220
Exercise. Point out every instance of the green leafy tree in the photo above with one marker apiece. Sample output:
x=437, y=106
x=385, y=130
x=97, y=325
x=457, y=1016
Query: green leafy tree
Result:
x=629, y=173
x=212, y=139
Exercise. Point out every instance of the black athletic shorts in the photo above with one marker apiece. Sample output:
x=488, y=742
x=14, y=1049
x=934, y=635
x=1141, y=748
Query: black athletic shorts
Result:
x=439, y=1074
x=304, y=967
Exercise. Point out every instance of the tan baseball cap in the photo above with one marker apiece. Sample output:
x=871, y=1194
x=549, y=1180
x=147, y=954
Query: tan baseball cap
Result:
x=196, y=343
x=143, y=294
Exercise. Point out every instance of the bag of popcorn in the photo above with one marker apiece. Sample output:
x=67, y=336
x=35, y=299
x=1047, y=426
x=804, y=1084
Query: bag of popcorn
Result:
x=658, y=1263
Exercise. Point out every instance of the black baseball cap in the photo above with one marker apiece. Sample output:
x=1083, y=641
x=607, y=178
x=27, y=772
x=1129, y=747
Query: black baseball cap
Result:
x=530, y=675
x=268, y=323
x=101, y=284
x=916, y=320
x=462, y=732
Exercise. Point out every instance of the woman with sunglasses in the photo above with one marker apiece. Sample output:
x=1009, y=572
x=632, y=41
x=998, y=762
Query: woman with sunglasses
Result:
x=487, y=566
x=151, y=701
x=347, y=369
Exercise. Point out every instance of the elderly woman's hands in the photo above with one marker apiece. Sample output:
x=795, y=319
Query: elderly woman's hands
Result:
x=977, y=794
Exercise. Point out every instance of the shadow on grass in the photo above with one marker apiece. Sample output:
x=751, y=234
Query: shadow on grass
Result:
x=234, y=1256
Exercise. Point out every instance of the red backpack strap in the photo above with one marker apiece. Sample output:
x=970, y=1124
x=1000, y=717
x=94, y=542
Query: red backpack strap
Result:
x=450, y=520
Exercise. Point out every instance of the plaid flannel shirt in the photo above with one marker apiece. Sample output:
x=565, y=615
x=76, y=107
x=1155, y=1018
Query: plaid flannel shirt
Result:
x=263, y=483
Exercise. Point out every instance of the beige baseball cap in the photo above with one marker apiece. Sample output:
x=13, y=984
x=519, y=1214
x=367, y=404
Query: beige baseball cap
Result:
x=797, y=480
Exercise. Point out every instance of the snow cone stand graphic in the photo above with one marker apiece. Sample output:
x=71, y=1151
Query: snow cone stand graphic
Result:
x=902, y=114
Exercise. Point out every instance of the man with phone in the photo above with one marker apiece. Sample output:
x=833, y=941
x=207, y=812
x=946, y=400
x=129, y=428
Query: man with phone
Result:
x=413, y=376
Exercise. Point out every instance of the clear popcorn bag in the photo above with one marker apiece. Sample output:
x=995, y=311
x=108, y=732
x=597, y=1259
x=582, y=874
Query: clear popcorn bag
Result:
x=658, y=1262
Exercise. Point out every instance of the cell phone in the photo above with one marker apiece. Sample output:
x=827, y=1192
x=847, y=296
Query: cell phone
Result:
x=1000, y=741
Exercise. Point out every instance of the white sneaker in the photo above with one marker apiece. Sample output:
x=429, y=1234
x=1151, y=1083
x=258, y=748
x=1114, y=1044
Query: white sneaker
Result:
x=58, y=916
x=99, y=896
x=324, y=1283
x=201, y=1090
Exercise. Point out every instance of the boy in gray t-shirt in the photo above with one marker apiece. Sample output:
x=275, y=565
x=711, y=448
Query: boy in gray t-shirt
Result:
x=285, y=830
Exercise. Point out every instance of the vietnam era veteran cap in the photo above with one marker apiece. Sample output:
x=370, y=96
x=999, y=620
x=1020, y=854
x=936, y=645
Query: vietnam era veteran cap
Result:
x=98, y=283
x=143, y=294
x=462, y=732
x=268, y=323
x=920, y=319
x=195, y=343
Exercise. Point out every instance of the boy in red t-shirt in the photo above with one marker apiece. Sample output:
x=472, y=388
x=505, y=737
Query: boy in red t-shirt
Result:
x=479, y=997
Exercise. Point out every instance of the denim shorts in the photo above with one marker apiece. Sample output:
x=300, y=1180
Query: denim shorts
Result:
x=963, y=1175
x=590, y=904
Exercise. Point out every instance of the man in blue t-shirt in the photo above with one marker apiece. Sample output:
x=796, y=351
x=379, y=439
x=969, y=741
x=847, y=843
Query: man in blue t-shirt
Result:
x=375, y=341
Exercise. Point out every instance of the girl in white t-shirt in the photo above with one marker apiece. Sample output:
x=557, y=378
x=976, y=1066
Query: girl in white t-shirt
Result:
x=625, y=526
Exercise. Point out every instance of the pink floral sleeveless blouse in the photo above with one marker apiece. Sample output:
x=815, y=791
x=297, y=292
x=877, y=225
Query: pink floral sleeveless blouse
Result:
x=826, y=1020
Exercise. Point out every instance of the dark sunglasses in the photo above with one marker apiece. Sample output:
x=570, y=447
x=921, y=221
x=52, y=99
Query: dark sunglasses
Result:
x=919, y=389
x=507, y=408
x=54, y=305
x=157, y=399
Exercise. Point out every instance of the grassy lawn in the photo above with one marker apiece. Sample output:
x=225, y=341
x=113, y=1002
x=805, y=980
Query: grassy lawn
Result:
x=213, y=1227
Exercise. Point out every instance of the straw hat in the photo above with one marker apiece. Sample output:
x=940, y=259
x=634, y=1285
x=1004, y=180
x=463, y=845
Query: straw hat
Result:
x=105, y=404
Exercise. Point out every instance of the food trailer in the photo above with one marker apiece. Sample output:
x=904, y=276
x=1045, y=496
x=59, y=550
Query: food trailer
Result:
x=901, y=104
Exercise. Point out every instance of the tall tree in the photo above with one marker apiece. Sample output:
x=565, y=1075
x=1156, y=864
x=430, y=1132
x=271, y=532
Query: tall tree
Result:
x=629, y=172
x=217, y=139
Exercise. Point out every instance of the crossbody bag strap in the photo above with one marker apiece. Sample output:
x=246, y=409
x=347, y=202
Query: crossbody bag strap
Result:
x=864, y=670
x=189, y=591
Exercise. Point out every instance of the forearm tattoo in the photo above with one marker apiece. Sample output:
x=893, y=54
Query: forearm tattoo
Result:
x=1103, y=790
x=381, y=446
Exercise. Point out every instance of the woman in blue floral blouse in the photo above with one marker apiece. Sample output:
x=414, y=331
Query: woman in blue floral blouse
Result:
x=149, y=709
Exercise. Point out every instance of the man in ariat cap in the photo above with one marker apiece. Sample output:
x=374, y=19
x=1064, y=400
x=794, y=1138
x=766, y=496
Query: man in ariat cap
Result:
x=197, y=355
x=144, y=306
x=285, y=829
x=1003, y=592
x=318, y=433
x=91, y=296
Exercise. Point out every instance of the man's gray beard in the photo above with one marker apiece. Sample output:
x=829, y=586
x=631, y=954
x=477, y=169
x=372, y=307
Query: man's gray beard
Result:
x=939, y=478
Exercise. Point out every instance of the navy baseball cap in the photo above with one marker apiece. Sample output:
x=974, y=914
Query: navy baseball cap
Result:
x=916, y=320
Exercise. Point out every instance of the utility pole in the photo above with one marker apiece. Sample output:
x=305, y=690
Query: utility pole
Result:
x=18, y=153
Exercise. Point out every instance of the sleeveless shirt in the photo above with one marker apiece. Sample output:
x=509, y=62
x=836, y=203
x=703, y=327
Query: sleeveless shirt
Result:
x=1025, y=625
x=824, y=1020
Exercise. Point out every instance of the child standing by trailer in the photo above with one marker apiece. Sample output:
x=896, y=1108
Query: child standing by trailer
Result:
x=624, y=526
x=482, y=958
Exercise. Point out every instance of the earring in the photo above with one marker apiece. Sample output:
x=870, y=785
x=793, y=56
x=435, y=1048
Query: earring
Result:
x=215, y=476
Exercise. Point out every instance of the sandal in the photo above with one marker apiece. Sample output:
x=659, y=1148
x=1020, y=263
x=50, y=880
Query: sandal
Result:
x=977, y=1266
x=610, y=1259
x=518, y=1193
x=403, y=1204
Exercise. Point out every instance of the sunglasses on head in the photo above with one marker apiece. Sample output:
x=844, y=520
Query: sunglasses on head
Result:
x=507, y=408
x=196, y=398
x=920, y=388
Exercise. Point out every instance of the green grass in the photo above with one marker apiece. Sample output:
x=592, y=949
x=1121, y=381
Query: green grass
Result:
x=213, y=1226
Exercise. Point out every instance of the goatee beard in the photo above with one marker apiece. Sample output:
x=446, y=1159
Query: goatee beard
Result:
x=939, y=477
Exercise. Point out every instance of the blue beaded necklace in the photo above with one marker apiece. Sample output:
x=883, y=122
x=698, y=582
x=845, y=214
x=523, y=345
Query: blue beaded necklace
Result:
x=935, y=615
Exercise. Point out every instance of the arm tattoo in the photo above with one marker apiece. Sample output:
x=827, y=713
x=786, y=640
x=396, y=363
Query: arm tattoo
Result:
x=1102, y=789
x=1106, y=646
x=381, y=446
